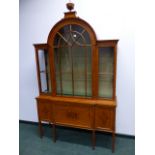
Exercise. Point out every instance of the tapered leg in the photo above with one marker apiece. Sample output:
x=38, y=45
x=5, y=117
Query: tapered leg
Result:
x=93, y=139
x=113, y=142
x=54, y=133
x=40, y=129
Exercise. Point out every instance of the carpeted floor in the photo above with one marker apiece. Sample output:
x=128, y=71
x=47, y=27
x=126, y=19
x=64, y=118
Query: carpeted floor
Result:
x=70, y=142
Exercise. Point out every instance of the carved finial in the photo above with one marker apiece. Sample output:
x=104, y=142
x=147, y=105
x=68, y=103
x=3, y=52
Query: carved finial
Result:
x=70, y=6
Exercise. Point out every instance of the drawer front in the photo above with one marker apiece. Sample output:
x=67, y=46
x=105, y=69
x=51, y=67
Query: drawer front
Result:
x=73, y=115
x=104, y=118
x=44, y=111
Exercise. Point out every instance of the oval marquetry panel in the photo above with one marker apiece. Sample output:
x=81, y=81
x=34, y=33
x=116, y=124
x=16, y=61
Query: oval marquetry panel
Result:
x=104, y=118
x=73, y=115
x=44, y=111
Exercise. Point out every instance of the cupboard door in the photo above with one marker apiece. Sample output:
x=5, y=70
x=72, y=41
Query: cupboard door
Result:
x=73, y=115
x=45, y=111
x=104, y=118
x=106, y=72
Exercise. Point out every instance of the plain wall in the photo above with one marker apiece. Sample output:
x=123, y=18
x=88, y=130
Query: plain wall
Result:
x=110, y=19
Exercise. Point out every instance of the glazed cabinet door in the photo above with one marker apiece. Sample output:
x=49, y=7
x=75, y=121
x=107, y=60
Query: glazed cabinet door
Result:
x=73, y=61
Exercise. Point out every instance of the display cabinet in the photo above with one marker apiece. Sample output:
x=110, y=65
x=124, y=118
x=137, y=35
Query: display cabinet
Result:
x=76, y=78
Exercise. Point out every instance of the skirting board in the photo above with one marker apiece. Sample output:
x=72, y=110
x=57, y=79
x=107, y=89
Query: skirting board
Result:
x=46, y=124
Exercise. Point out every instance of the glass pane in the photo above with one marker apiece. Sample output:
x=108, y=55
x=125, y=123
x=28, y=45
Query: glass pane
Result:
x=56, y=40
x=105, y=86
x=80, y=34
x=79, y=70
x=44, y=69
x=106, y=57
x=63, y=71
x=89, y=71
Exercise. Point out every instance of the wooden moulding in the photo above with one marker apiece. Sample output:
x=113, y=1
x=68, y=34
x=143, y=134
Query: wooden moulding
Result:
x=69, y=21
x=106, y=43
x=70, y=14
x=41, y=46
x=60, y=99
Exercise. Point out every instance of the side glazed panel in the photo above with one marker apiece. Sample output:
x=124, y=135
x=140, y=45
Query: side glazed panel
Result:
x=104, y=118
x=44, y=71
x=73, y=115
x=106, y=72
x=44, y=111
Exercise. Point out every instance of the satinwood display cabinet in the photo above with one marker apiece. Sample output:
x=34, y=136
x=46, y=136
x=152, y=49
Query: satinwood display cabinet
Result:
x=76, y=78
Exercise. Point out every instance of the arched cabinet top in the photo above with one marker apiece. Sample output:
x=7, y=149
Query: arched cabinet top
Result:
x=71, y=21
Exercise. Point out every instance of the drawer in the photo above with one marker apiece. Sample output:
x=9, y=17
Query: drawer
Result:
x=104, y=118
x=73, y=115
x=44, y=111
